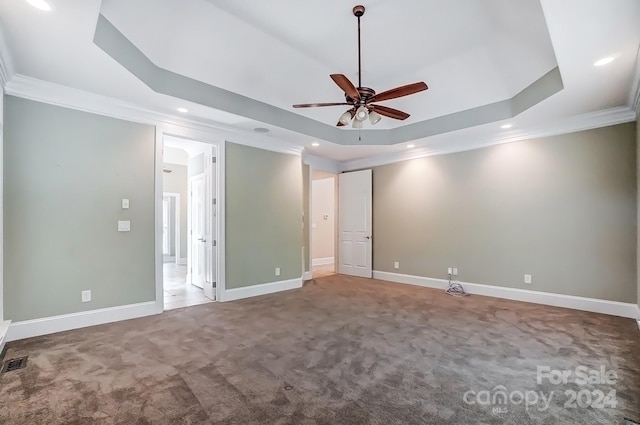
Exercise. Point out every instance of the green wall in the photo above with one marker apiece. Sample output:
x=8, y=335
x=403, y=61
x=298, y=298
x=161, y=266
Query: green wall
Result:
x=562, y=209
x=638, y=203
x=65, y=173
x=306, y=228
x=263, y=216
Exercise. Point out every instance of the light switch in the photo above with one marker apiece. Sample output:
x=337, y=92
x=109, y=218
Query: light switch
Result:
x=125, y=204
x=124, y=226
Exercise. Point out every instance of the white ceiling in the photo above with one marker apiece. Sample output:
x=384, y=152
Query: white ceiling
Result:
x=470, y=52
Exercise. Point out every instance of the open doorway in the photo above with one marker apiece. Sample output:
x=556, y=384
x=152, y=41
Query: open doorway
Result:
x=188, y=222
x=323, y=223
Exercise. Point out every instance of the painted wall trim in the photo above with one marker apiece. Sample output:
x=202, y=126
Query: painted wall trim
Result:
x=588, y=121
x=262, y=289
x=321, y=164
x=7, y=70
x=4, y=328
x=68, y=97
x=634, y=93
x=322, y=261
x=307, y=276
x=613, y=308
x=65, y=322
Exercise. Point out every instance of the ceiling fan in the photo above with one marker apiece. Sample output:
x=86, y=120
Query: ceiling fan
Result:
x=361, y=98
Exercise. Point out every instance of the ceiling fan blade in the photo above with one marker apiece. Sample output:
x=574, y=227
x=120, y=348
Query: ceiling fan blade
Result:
x=346, y=86
x=389, y=112
x=399, y=92
x=314, y=105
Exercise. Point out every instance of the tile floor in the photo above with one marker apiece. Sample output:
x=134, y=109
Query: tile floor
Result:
x=177, y=292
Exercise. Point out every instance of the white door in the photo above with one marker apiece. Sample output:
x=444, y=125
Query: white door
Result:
x=209, y=228
x=355, y=223
x=198, y=233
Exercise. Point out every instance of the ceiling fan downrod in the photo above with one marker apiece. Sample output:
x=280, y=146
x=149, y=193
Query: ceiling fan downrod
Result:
x=358, y=11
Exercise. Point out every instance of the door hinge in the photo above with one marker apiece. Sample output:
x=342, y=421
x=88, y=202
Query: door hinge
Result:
x=215, y=243
x=214, y=201
x=213, y=159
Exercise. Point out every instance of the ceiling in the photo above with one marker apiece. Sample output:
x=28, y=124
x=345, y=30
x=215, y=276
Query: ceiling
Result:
x=244, y=63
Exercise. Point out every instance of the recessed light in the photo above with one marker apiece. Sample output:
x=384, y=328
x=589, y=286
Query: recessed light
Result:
x=315, y=144
x=505, y=126
x=40, y=4
x=261, y=130
x=183, y=110
x=603, y=61
x=411, y=146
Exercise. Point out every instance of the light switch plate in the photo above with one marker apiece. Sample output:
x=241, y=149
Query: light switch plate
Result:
x=125, y=203
x=86, y=296
x=124, y=226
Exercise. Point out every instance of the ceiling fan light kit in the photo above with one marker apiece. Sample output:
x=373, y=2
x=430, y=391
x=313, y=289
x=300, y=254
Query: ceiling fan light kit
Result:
x=361, y=99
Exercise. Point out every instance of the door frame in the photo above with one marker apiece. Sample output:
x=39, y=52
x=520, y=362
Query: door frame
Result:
x=177, y=234
x=336, y=219
x=218, y=143
x=336, y=224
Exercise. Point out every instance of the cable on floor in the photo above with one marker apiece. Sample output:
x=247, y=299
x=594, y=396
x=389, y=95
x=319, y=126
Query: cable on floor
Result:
x=455, y=289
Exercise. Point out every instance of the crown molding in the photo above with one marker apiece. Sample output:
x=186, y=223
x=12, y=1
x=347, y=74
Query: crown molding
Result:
x=7, y=71
x=587, y=121
x=321, y=164
x=634, y=94
x=68, y=97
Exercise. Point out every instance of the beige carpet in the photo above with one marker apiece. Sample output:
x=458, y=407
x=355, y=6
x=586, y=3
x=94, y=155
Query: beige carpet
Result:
x=339, y=351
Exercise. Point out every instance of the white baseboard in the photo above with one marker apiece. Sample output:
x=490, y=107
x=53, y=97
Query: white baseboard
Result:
x=4, y=328
x=322, y=261
x=307, y=276
x=65, y=322
x=262, y=289
x=594, y=305
x=182, y=261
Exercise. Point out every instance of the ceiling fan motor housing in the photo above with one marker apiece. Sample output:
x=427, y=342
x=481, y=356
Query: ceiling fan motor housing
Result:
x=366, y=93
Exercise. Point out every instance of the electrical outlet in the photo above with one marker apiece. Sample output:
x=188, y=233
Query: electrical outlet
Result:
x=527, y=279
x=455, y=271
x=396, y=265
x=450, y=270
x=86, y=296
x=277, y=271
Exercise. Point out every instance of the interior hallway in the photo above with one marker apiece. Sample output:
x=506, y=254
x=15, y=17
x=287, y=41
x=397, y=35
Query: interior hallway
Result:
x=177, y=292
x=323, y=270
